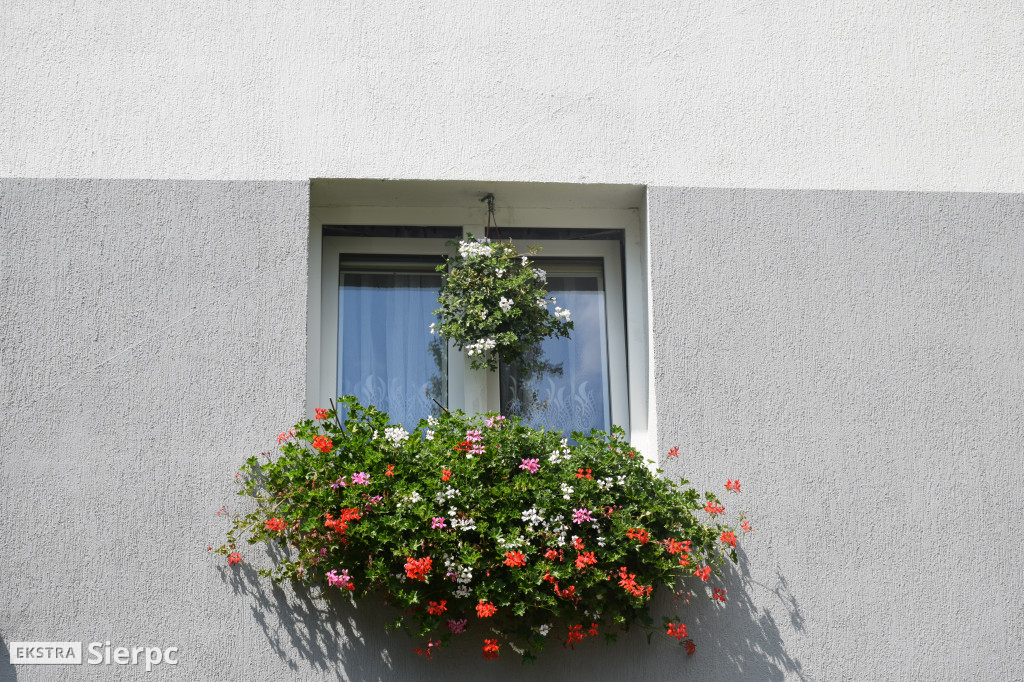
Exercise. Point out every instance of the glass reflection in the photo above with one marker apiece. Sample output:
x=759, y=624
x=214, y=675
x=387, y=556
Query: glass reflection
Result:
x=568, y=390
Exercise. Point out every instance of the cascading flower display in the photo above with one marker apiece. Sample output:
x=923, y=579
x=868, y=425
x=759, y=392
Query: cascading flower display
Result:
x=531, y=539
x=495, y=304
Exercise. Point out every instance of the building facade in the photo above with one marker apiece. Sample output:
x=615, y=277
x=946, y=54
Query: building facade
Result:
x=818, y=214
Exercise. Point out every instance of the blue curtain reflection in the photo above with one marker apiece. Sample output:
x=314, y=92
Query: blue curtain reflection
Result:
x=569, y=391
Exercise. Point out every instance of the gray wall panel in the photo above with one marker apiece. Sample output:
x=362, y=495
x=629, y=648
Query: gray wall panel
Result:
x=153, y=337
x=856, y=360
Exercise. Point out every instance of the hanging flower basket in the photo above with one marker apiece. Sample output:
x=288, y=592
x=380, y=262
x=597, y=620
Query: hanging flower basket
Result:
x=495, y=304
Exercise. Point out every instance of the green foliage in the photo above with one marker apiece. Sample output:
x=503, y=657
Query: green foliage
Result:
x=467, y=511
x=494, y=304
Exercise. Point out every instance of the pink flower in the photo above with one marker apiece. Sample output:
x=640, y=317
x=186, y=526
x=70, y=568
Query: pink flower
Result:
x=476, y=450
x=474, y=436
x=492, y=422
x=457, y=626
x=531, y=465
x=362, y=478
x=437, y=522
x=581, y=515
x=335, y=579
x=340, y=483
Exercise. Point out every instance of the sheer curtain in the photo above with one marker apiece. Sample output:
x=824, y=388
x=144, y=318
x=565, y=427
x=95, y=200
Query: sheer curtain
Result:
x=570, y=391
x=386, y=354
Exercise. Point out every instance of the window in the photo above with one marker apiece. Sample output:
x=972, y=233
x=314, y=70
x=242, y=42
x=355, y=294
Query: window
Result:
x=375, y=293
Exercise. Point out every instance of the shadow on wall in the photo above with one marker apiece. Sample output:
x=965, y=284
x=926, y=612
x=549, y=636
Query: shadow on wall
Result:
x=735, y=641
x=739, y=641
x=8, y=673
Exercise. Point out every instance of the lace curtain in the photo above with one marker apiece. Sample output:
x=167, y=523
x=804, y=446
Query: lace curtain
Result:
x=387, y=356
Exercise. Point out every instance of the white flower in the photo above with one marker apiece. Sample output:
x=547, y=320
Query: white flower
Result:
x=483, y=314
x=462, y=591
x=559, y=313
x=429, y=435
x=542, y=303
x=415, y=497
x=432, y=330
x=474, y=249
x=499, y=272
x=532, y=517
x=432, y=420
x=567, y=490
x=525, y=261
x=543, y=630
x=505, y=304
x=480, y=346
x=540, y=274
x=396, y=434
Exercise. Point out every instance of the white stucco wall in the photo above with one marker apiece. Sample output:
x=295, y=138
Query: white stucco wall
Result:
x=862, y=95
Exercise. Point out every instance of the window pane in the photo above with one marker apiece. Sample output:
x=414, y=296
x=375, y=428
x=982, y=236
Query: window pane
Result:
x=570, y=391
x=386, y=354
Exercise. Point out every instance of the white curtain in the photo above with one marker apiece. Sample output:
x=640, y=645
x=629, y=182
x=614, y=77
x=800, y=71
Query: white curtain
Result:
x=387, y=356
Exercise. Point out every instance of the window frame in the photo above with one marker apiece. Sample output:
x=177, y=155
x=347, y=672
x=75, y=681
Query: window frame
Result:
x=569, y=214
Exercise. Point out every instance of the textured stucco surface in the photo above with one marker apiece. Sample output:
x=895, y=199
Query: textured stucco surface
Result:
x=853, y=357
x=750, y=93
x=153, y=334
x=856, y=359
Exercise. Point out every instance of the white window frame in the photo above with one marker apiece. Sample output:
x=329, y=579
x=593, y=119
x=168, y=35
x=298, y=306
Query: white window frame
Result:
x=629, y=376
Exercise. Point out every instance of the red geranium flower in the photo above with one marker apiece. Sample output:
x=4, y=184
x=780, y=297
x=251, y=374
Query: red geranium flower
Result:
x=515, y=559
